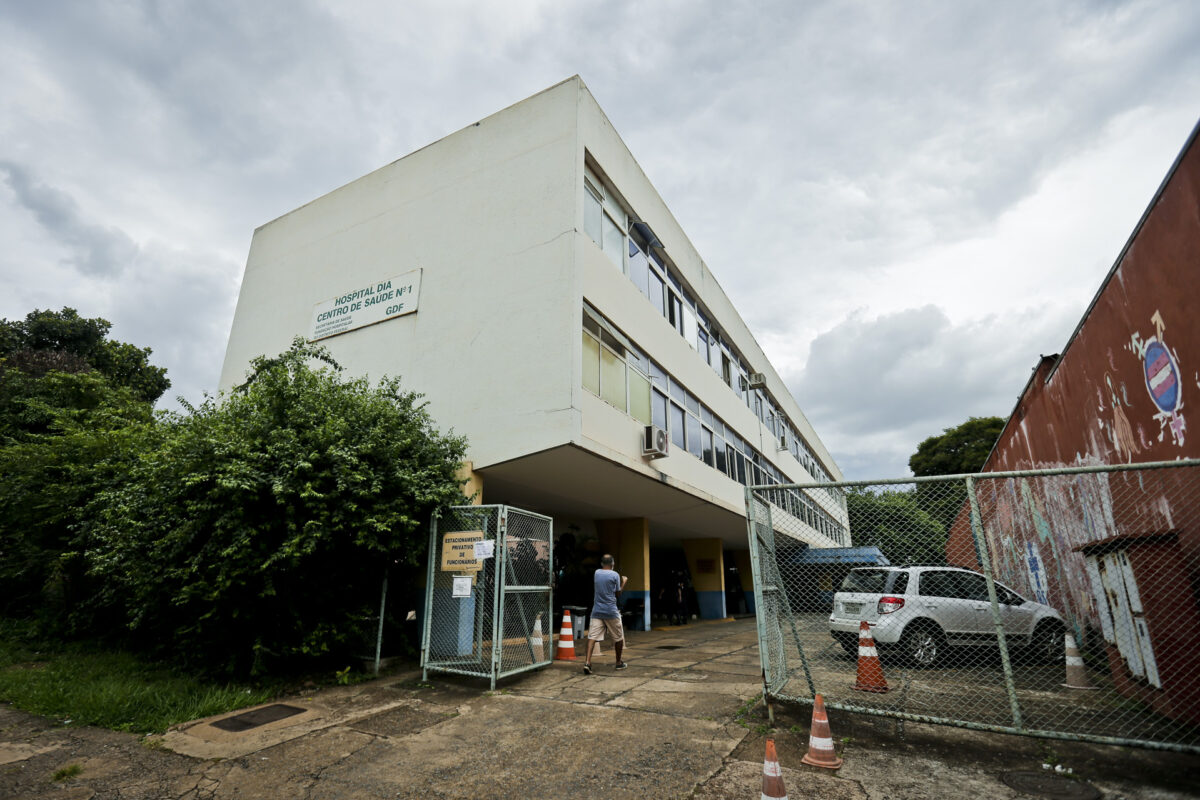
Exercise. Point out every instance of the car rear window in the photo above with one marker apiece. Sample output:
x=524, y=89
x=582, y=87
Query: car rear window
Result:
x=869, y=581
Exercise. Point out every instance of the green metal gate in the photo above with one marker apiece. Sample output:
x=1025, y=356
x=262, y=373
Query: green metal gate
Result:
x=488, y=603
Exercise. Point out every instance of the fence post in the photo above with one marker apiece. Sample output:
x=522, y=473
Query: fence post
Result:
x=498, y=562
x=985, y=560
x=428, y=621
x=760, y=607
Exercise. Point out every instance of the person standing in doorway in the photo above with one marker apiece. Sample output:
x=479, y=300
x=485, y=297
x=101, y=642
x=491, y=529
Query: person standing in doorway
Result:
x=605, y=614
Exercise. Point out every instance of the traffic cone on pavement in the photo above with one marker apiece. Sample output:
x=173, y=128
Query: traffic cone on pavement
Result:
x=535, y=639
x=772, y=775
x=1077, y=677
x=566, y=640
x=870, y=671
x=820, y=740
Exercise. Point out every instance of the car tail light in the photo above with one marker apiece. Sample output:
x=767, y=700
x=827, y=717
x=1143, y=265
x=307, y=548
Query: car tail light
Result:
x=889, y=604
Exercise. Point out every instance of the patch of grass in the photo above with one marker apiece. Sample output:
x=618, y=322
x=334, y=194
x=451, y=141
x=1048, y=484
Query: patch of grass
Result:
x=739, y=716
x=66, y=773
x=81, y=685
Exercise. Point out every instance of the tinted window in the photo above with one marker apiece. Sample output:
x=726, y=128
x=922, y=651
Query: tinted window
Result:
x=656, y=293
x=677, y=427
x=973, y=587
x=872, y=581
x=900, y=584
x=940, y=584
x=693, y=436
x=658, y=409
x=658, y=376
x=638, y=268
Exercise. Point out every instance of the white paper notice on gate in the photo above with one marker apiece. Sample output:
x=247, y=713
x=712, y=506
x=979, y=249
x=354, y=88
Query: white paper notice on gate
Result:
x=462, y=586
x=484, y=549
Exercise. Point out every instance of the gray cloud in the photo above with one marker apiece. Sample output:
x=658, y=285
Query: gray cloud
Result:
x=813, y=152
x=94, y=249
x=875, y=387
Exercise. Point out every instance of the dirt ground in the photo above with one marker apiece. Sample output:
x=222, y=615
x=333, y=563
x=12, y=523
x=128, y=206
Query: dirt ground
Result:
x=681, y=722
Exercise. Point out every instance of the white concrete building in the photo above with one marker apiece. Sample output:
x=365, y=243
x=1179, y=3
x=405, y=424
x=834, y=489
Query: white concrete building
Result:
x=552, y=309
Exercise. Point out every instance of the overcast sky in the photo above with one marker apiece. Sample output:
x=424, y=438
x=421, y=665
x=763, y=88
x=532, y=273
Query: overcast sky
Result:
x=907, y=202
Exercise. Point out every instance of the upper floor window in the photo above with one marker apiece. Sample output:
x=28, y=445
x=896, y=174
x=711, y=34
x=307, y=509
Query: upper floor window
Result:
x=604, y=220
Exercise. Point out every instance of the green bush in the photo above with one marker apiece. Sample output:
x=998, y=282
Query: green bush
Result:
x=89, y=432
x=253, y=535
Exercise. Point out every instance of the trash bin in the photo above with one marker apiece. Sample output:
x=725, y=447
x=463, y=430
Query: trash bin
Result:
x=578, y=620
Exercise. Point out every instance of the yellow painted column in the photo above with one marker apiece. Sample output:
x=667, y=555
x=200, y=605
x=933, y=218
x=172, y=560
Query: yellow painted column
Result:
x=706, y=562
x=741, y=559
x=473, y=488
x=628, y=540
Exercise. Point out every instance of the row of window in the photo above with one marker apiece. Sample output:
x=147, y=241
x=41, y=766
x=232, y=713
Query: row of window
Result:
x=615, y=370
x=633, y=248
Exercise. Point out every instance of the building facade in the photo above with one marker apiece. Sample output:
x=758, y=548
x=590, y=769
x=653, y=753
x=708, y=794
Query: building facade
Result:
x=1119, y=554
x=524, y=275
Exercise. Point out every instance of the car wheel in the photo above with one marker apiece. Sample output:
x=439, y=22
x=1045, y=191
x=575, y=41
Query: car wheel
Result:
x=1047, y=644
x=923, y=644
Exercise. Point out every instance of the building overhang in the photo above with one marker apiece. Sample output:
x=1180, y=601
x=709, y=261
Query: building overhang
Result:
x=569, y=481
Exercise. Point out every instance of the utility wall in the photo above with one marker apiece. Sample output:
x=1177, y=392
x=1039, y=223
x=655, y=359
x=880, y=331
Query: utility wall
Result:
x=1122, y=392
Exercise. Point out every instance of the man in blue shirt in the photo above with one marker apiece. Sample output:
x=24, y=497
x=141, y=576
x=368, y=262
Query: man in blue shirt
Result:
x=605, y=615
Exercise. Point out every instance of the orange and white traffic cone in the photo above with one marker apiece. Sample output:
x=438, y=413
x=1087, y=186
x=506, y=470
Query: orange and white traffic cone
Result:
x=535, y=639
x=820, y=740
x=566, y=640
x=870, y=671
x=772, y=775
x=1077, y=677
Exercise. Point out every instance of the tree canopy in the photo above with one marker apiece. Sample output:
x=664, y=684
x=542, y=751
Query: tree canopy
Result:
x=256, y=529
x=74, y=406
x=62, y=341
x=959, y=450
x=895, y=522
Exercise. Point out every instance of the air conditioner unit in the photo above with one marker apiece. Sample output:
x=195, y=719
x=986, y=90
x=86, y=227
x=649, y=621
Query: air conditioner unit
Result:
x=758, y=380
x=655, y=443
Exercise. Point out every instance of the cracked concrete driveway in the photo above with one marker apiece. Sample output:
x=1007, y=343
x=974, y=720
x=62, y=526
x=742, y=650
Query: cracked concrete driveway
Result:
x=666, y=727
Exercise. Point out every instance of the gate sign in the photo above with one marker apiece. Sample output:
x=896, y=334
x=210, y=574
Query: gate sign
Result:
x=458, y=551
x=366, y=305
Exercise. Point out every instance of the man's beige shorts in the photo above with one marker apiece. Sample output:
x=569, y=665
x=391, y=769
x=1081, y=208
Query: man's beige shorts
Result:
x=615, y=631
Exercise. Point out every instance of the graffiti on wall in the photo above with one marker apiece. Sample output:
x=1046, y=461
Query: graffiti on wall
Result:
x=1162, y=378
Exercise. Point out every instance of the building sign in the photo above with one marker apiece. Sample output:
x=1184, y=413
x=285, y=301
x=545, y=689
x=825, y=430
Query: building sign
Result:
x=366, y=305
x=458, y=551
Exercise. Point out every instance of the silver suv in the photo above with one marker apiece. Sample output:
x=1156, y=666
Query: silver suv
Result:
x=919, y=611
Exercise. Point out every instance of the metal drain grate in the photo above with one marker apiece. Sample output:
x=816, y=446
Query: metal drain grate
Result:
x=670, y=646
x=259, y=716
x=1048, y=784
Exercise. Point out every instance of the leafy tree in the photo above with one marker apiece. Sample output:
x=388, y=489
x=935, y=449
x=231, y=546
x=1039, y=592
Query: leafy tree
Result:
x=73, y=406
x=959, y=450
x=63, y=341
x=90, y=432
x=255, y=532
x=895, y=522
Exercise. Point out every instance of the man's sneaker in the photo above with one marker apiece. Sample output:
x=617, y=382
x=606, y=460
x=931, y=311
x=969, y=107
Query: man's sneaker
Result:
x=622, y=665
x=587, y=669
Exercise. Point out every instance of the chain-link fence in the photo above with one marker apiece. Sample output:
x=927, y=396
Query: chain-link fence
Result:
x=489, y=571
x=1055, y=603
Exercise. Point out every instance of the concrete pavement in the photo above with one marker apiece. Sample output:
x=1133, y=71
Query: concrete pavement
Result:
x=680, y=722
